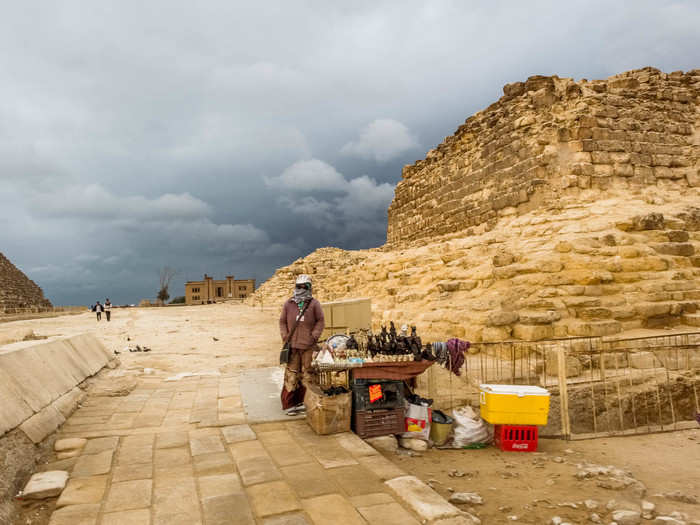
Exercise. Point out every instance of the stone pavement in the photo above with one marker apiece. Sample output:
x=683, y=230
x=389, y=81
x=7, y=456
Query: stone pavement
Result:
x=181, y=453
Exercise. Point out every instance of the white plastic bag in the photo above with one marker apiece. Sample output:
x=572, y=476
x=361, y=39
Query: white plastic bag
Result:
x=417, y=422
x=469, y=428
x=325, y=357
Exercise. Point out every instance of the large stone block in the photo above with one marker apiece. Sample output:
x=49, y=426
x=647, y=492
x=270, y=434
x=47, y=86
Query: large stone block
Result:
x=495, y=333
x=594, y=328
x=680, y=249
x=14, y=408
x=47, y=484
x=646, y=310
x=43, y=423
x=33, y=376
x=502, y=317
x=423, y=500
x=533, y=332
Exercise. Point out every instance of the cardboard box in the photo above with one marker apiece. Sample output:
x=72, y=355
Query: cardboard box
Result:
x=351, y=315
x=327, y=414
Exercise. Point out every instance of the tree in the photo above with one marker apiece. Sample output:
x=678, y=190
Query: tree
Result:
x=166, y=276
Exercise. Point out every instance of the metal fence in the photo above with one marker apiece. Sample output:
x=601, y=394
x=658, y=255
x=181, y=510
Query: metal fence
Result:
x=600, y=386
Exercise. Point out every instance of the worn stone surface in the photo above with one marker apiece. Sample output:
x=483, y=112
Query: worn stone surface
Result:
x=217, y=463
x=95, y=446
x=287, y=519
x=172, y=439
x=272, y=498
x=356, y=480
x=387, y=514
x=205, y=444
x=226, y=510
x=132, y=472
x=332, y=508
x=93, y=464
x=76, y=515
x=43, y=423
x=309, y=480
x=381, y=467
x=127, y=517
x=219, y=485
x=175, y=499
x=82, y=491
x=127, y=495
x=68, y=444
x=236, y=433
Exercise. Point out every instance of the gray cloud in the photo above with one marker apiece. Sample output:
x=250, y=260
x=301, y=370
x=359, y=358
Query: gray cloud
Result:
x=190, y=135
x=350, y=210
x=307, y=176
x=381, y=140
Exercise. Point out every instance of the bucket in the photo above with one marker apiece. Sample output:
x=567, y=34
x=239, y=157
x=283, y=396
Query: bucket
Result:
x=440, y=427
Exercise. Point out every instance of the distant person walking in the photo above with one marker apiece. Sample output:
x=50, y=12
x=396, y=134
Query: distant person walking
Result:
x=98, y=309
x=108, y=309
x=304, y=312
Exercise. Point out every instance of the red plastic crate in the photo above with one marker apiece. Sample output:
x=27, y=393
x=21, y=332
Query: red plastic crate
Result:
x=516, y=438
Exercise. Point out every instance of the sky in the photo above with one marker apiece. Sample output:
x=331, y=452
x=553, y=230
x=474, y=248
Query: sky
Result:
x=228, y=137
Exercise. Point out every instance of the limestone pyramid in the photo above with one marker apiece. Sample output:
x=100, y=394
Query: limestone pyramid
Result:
x=17, y=292
x=563, y=209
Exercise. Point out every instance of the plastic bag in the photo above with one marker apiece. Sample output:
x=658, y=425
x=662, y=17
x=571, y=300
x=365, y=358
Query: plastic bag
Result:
x=417, y=422
x=325, y=357
x=470, y=429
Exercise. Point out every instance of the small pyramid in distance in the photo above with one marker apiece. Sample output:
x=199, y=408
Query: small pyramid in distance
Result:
x=17, y=291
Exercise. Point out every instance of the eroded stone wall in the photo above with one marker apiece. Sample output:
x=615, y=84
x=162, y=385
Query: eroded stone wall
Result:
x=550, y=137
x=17, y=292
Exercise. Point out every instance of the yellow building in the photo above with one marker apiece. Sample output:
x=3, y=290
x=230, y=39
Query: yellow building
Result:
x=211, y=291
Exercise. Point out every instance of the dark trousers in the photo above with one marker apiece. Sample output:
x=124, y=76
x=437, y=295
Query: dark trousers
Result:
x=99, y=315
x=108, y=314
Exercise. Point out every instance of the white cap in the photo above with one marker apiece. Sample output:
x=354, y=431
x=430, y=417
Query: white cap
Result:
x=303, y=279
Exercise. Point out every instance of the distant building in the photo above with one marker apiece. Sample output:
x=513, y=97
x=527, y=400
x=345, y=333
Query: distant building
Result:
x=211, y=291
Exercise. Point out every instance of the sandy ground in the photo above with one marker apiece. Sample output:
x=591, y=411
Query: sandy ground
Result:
x=533, y=487
x=225, y=336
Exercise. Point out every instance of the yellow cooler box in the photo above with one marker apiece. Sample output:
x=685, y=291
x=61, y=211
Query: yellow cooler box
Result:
x=514, y=404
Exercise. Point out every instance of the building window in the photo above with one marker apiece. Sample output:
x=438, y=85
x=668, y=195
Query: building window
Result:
x=195, y=290
x=241, y=288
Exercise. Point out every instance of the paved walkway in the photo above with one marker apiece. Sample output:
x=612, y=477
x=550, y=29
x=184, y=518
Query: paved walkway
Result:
x=181, y=452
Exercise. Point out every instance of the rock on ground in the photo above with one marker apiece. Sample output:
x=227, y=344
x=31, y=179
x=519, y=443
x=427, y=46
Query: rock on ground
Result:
x=45, y=485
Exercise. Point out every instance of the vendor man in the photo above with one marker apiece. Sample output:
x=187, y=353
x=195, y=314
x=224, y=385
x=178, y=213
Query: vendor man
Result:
x=307, y=310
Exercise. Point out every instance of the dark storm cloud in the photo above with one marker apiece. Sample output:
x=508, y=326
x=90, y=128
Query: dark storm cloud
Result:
x=229, y=137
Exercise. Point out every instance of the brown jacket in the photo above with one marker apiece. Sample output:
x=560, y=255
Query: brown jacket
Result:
x=309, y=329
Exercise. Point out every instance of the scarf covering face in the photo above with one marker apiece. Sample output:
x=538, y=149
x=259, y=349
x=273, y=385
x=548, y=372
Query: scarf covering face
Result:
x=302, y=295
